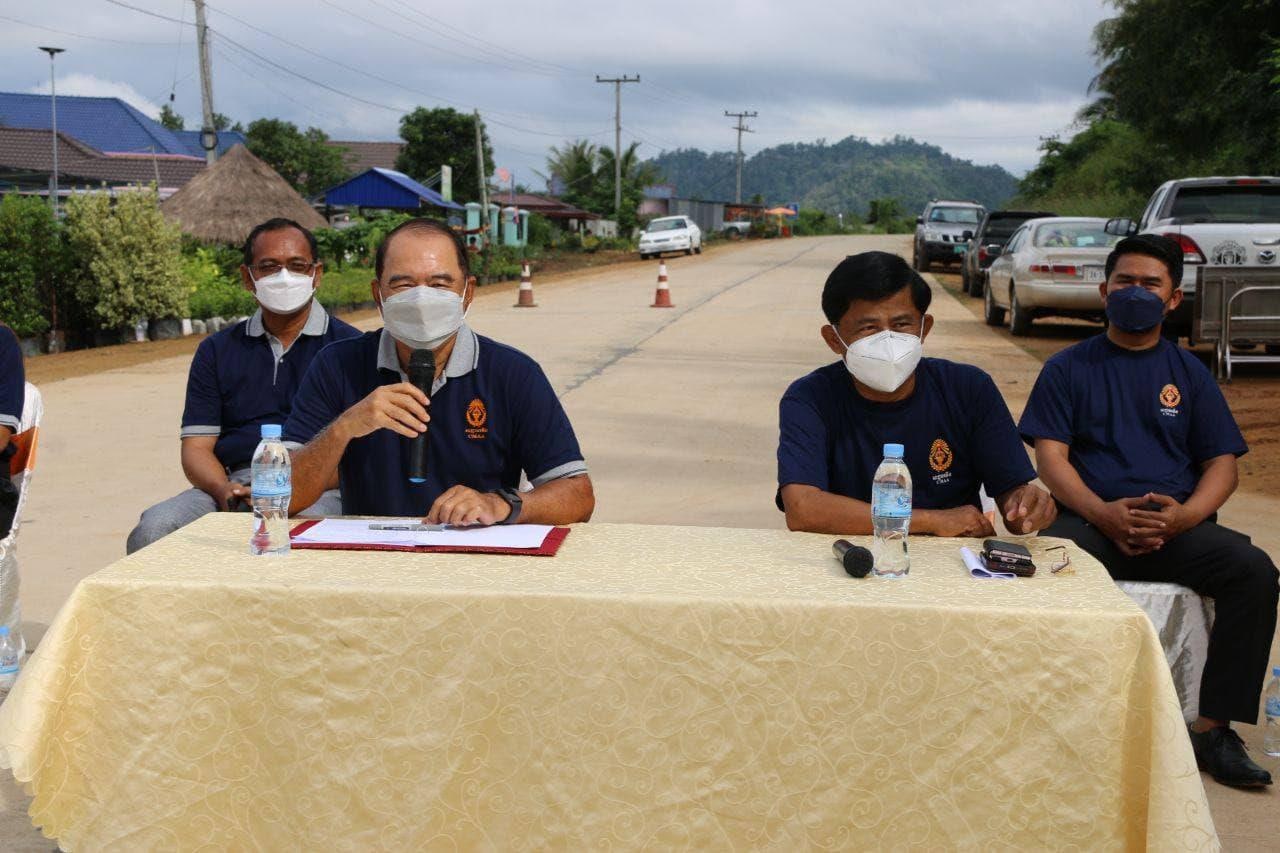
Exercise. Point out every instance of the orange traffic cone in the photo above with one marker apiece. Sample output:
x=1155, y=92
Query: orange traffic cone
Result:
x=662, y=299
x=526, y=288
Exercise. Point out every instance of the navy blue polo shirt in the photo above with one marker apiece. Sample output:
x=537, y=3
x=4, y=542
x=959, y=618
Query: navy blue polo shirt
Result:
x=12, y=391
x=493, y=416
x=955, y=429
x=1136, y=422
x=242, y=378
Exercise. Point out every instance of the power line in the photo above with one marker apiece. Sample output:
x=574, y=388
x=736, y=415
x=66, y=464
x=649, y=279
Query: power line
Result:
x=617, y=137
x=82, y=35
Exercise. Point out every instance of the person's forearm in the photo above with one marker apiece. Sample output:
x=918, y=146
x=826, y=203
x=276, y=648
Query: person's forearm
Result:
x=564, y=501
x=315, y=465
x=203, y=469
x=1218, y=480
x=811, y=510
x=1068, y=488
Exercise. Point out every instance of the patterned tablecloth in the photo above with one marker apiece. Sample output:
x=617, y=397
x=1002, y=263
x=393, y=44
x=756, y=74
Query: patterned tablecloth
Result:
x=650, y=687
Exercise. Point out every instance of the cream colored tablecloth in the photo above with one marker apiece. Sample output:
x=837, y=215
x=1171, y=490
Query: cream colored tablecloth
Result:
x=649, y=688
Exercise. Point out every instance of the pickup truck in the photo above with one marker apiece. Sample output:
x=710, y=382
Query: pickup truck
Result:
x=1219, y=221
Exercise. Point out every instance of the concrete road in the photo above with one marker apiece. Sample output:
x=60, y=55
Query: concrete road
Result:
x=676, y=410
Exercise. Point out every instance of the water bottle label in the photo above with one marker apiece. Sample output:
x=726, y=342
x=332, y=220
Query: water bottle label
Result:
x=272, y=484
x=1273, y=706
x=891, y=503
x=8, y=670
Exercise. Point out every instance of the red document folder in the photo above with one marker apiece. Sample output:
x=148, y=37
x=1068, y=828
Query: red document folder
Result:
x=549, y=546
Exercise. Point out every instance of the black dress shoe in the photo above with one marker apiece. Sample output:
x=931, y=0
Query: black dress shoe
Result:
x=1221, y=753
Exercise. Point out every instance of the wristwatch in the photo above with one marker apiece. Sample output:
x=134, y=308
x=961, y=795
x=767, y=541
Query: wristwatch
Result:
x=513, y=499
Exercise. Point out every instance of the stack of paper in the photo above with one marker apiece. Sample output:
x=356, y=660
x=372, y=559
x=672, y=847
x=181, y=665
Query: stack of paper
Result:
x=364, y=532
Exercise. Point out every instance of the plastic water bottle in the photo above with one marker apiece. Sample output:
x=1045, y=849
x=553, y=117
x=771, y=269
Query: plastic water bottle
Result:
x=1271, y=737
x=272, y=487
x=10, y=657
x=891, y=515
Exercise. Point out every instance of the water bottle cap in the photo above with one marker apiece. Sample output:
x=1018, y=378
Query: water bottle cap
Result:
x=271, y=430
x=893, y=450
x=1275, y=670
x=4, y=630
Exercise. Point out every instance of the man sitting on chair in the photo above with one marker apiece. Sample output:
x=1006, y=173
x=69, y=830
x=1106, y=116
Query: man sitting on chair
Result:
x=1135, y=440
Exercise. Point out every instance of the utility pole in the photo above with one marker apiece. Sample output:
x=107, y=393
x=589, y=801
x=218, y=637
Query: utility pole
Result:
x=53, y=101
x=741, y=128
x=617, y=137
x=485, y=237
x=208, y=133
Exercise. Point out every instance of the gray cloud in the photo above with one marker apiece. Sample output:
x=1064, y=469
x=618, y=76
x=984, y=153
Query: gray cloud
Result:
x=982, y=80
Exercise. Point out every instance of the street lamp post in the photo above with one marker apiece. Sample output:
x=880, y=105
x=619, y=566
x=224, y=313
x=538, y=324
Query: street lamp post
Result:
x=53, y=101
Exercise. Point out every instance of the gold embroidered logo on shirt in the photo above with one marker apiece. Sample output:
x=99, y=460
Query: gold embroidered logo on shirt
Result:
x=1170, y=396
x=477, y=416
x=940, y=456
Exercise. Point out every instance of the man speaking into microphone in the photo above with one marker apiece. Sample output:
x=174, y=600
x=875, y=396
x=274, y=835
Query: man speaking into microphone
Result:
x=425, y=417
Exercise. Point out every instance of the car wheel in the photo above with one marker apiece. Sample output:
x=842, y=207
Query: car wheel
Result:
x=697, y=250
x=644, y=257
x=919, y=260
x=978, y=284
x=992, y=313
x=1019, y=317
x=964, y=277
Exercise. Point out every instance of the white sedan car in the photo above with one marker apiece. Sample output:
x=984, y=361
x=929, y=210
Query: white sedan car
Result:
x=1049, y=266
x=670, y=234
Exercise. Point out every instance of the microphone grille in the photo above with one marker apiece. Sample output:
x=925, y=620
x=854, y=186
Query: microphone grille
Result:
x=857, y=561
x=422, y=359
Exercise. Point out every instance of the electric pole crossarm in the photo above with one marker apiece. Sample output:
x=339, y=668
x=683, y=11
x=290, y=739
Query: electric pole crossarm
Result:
x=617, y=137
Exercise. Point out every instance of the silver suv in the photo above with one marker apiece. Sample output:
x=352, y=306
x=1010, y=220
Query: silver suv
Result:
x=943, y=232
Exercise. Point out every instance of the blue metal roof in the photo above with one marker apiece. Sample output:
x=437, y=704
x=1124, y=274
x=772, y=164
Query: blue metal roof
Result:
x=191, y=138
x=107, y=124
x=385, y=188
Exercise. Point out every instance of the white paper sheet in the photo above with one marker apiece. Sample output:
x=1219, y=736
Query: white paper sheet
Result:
x=351, y=531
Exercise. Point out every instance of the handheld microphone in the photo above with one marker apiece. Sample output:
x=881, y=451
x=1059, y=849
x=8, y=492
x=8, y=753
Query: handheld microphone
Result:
x=422, y=374
x=855, y=559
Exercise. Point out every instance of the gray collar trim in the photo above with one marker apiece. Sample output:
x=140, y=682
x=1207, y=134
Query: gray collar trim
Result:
x=317, y=322
x=464, y=358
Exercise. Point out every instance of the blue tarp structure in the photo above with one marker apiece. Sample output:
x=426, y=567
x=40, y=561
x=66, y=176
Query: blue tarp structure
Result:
x=385, y=188
x=107, y=124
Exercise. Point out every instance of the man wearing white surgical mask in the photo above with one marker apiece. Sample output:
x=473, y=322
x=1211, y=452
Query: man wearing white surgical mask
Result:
x=491, y=421
x=246, y=375
x=955, y=428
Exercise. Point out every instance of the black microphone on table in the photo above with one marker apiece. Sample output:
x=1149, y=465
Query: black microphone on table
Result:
x=855, y=559
x=422, y=374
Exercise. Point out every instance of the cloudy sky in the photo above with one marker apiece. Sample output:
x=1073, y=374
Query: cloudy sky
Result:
x=983, y=80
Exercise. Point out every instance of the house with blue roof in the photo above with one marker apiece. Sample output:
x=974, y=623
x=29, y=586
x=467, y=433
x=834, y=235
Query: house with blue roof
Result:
x=386, y=189
x=108, y=125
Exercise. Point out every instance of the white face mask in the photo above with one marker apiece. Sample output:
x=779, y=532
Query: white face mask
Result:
x=885, y=360
x=423, y=317
x=283, y=292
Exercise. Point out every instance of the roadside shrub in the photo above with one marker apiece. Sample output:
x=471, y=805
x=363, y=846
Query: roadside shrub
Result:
x=30, y=256
x=346, y=287
x=129, y=257
x=213, y=293
x=541, y=231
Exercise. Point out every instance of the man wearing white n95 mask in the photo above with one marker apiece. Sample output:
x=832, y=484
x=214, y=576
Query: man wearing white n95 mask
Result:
x=955, y=428
x=491, y=415
x=246, y=375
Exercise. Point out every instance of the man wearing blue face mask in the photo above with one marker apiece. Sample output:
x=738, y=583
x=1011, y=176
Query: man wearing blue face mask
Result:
x=491, y=417
x=246, y=375
x=956, y=429
x=1136, y=442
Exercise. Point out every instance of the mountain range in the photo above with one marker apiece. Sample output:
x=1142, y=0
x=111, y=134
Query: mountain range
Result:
x=843, y=177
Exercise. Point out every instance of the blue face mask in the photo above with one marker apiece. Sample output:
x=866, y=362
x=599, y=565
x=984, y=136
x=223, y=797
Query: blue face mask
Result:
x=1134, y=309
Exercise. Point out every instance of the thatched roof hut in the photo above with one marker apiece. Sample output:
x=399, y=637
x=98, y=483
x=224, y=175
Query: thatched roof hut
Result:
x=222, y=203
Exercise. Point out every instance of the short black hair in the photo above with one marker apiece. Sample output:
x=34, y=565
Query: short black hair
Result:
x=1156, y=246
x=871, y=276
x=277, y=224
x=429, y=226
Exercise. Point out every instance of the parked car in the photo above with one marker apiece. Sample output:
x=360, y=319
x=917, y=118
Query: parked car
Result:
x=996, y=227
x=670, y=234
x=1218, y=221
x=943, y=231
x=1049, y=266
x=737, y=228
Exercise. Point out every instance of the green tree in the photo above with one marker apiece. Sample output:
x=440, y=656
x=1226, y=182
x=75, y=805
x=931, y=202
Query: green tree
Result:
x=129, y=257
x=30, y=255
x=170, y=119
x=303, y=158
x=572, y=167
x=444, y=136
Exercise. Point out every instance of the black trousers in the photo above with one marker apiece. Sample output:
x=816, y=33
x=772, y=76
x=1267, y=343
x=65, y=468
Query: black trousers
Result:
x=1224, y=565
x=8, y=500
